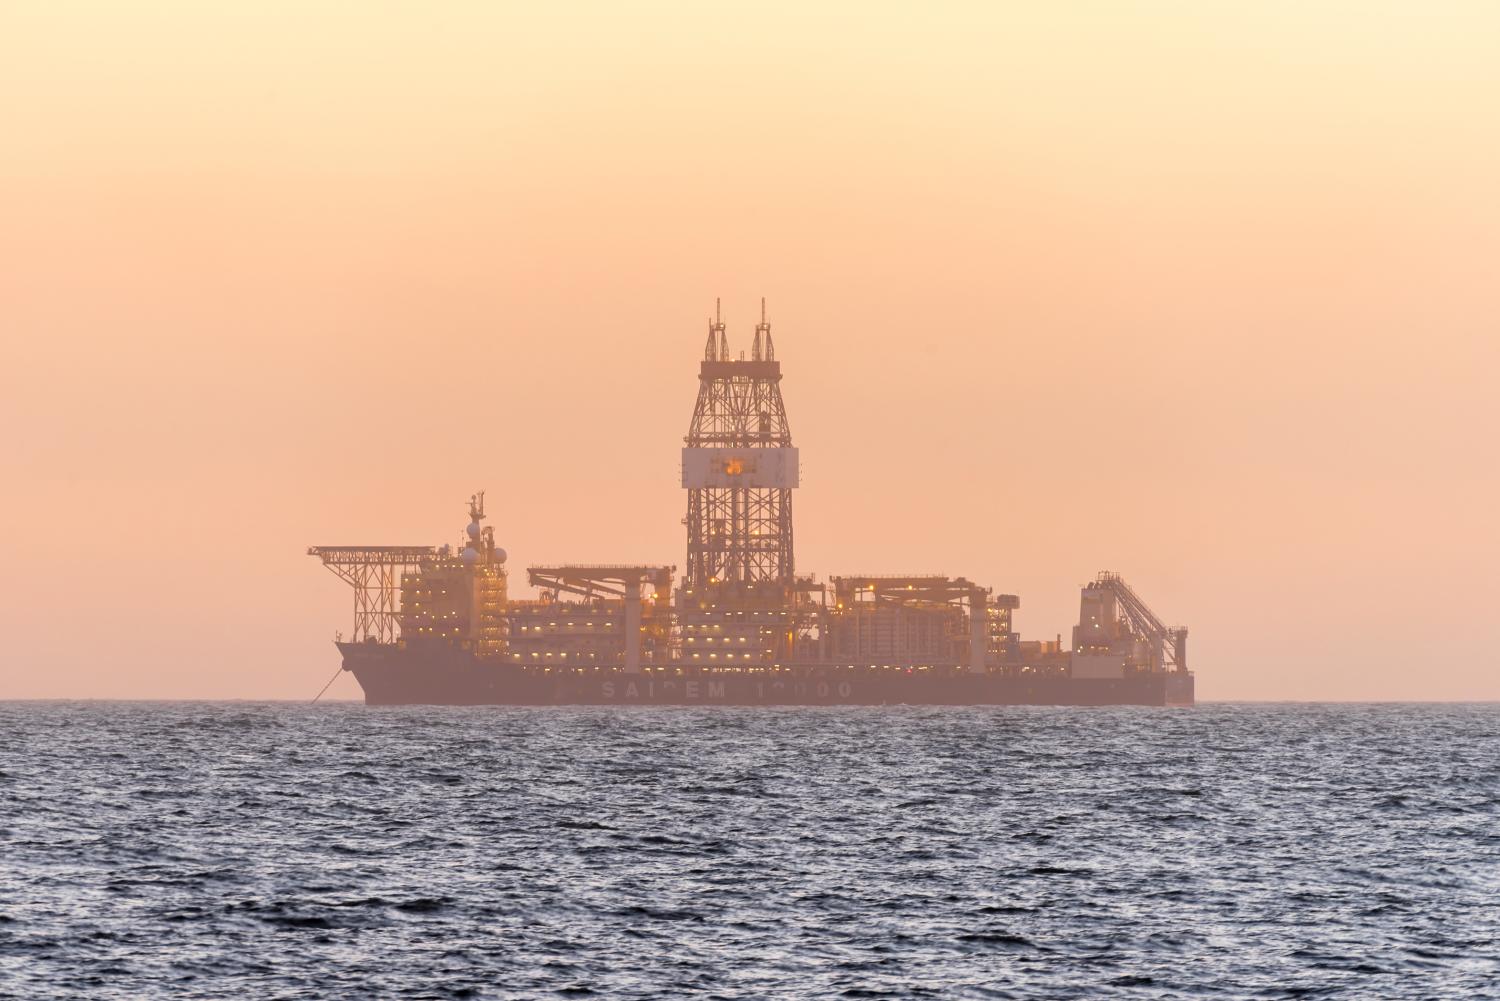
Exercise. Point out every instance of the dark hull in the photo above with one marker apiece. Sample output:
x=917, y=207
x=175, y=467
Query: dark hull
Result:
x=393, y=676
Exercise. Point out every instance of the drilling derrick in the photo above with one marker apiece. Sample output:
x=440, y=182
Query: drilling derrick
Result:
x=739, y=469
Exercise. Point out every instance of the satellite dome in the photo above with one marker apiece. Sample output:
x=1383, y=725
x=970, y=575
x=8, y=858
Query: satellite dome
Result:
x=499, y=555
x=470, y=555
x=473, y=529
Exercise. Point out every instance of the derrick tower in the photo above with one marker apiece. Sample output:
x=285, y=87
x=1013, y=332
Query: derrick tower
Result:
x=739, y=469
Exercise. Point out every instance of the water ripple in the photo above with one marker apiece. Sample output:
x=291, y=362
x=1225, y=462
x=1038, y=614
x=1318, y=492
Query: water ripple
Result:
x=202, y=850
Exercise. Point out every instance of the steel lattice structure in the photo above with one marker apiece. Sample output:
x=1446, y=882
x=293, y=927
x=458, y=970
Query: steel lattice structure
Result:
x=739, y=534
x=375, y=574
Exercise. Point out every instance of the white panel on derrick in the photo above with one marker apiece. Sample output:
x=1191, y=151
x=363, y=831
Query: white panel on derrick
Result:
x=740, y=467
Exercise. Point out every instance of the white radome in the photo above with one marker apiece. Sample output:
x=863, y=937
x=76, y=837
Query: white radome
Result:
x=470, y=554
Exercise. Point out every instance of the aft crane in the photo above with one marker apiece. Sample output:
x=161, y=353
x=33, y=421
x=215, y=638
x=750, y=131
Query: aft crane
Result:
x=1168, y=645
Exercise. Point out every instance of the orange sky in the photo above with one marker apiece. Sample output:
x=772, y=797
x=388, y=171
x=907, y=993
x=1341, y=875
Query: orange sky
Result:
x=1200, y=292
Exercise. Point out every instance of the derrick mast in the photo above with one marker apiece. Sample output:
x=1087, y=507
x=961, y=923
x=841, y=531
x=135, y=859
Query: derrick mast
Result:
x=739, y=468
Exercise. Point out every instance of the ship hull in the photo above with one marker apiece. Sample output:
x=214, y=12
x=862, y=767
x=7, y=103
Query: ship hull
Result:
x=392, y=675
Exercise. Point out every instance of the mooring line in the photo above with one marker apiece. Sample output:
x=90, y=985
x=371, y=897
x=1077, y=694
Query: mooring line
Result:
x=330, y=684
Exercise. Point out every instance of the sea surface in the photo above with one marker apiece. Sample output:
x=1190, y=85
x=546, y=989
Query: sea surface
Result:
x=249, y=851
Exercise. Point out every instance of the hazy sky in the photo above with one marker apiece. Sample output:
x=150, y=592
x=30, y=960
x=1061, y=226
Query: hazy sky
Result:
x=1202, y=292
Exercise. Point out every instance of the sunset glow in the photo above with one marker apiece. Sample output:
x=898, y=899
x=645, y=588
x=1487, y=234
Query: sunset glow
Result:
x=1200, y=292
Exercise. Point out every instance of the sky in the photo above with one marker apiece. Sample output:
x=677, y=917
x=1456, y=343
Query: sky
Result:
x=1201, y=292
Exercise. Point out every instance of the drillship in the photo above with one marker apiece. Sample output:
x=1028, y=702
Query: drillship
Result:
x=436, y=625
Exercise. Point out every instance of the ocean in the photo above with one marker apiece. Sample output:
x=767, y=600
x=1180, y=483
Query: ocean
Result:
x=276, y=850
